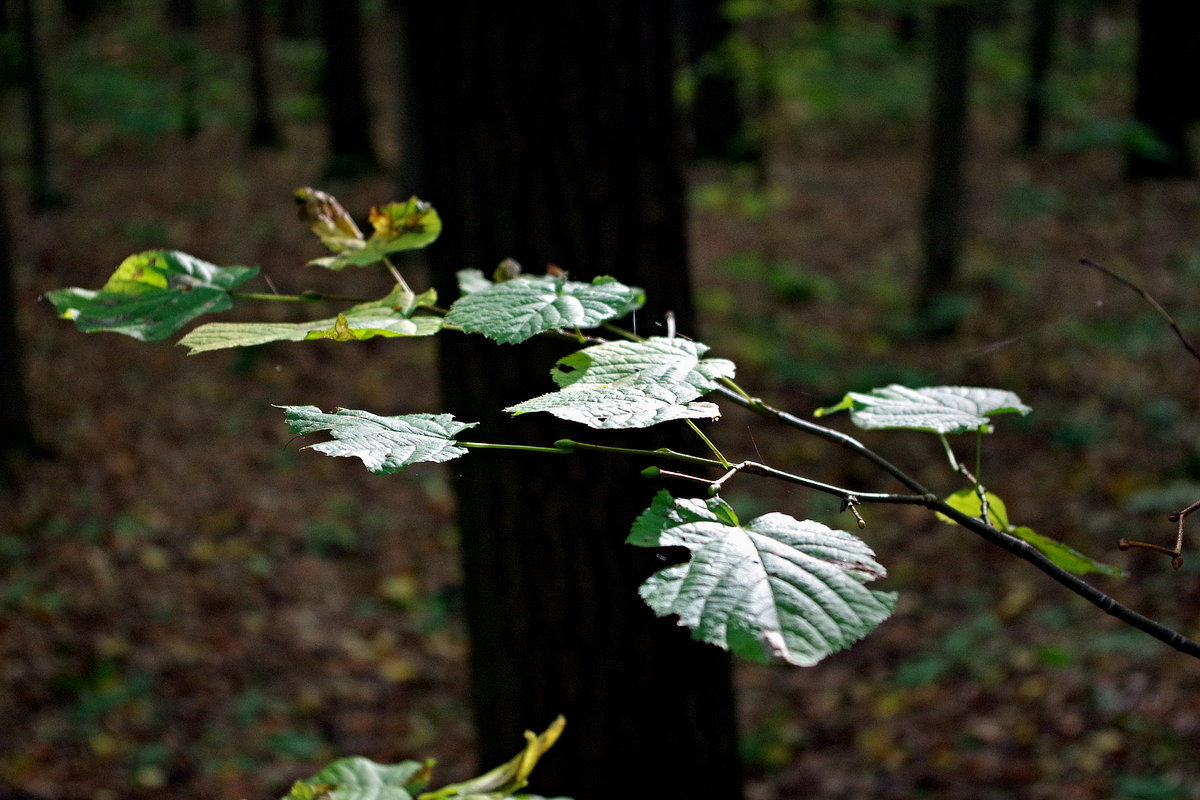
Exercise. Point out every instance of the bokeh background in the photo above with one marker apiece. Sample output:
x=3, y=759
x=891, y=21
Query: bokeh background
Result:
x=190, y=604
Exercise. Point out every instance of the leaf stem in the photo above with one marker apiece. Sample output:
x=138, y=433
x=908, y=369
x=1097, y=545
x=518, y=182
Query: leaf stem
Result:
x=696, y=429
x=527, y=447
x=303, y=297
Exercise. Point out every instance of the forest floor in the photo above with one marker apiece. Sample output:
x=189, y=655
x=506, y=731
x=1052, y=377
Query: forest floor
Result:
x=190, y=603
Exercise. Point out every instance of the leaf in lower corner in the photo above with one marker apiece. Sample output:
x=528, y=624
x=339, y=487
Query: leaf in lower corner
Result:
x=384, y=444
x=1064, y=555
x=773, y=589
x=152, y=295
x=509, y=777
x=358, y=778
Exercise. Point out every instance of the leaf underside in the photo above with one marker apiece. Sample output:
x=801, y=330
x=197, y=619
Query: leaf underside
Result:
x=151, y=295
x=937, y=409
x=632, y=384
x=515, y=310
x=389, y=316
x=384, y=444
x=773, y=589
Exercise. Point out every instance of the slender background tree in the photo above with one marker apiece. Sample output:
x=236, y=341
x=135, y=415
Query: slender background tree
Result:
x=943, y=212
x=1167, y=74
x=552, y=137
x=344, y=91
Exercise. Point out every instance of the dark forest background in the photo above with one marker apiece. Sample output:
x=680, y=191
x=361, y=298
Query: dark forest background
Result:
x=837, y=194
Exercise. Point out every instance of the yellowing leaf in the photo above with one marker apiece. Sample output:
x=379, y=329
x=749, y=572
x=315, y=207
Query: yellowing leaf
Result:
x=328, y=220
x=510, y=776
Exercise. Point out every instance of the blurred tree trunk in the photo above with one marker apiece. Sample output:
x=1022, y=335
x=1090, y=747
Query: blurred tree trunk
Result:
x=264, y=131
x=1043, y=24
x=906, y=24
x=554, y=138
x=942, y=220
x=717, y=123
x=184, y=18
x=42, y=192
x=344, y=89
x=297, y=19
x=1165, y=102
x=16, y=435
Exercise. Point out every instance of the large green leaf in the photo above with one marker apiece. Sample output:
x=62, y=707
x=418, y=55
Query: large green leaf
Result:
x=389, y=316
x=358, y=778
x=515, y=310
x=410, y=225
x=151, y=295
x=385, y=444
x=774, y=589
x=938, y=409
x=632, y=384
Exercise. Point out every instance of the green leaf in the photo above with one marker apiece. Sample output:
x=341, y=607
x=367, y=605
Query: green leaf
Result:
x=385, y=444
x=152, y=295
x=517, y=309
x=389, y=316
x=410, y=225
x=632, y=384
x=967, y=501
x=507, y=778
x=358, y=778
x=774, y=589
x=1064, y=555
x=938, y=409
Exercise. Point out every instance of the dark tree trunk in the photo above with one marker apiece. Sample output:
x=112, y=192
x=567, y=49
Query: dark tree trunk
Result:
x=344, y=89
x=264, y=131
x=942, y=220
x=1043, y=24
x=1165, y=101
x=825, y=12
x=907, y=26
x=43, y=194
x=297, y=19
x=16, y=436
x=717, y=123
x=184, y=17
x=553, y=137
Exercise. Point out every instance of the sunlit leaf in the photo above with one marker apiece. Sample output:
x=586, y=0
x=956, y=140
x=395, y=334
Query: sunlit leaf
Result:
x=385, y=444
x=773, y=589
x=967, y=501
x=520, y=308
x=410, y=225
x=632, y=384
x=389, y=316
x=938, y=409
x=1063, y=554
x=152, y=295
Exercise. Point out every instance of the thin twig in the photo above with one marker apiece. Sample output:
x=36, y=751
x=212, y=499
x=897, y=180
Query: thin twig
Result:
x=1162, y=312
